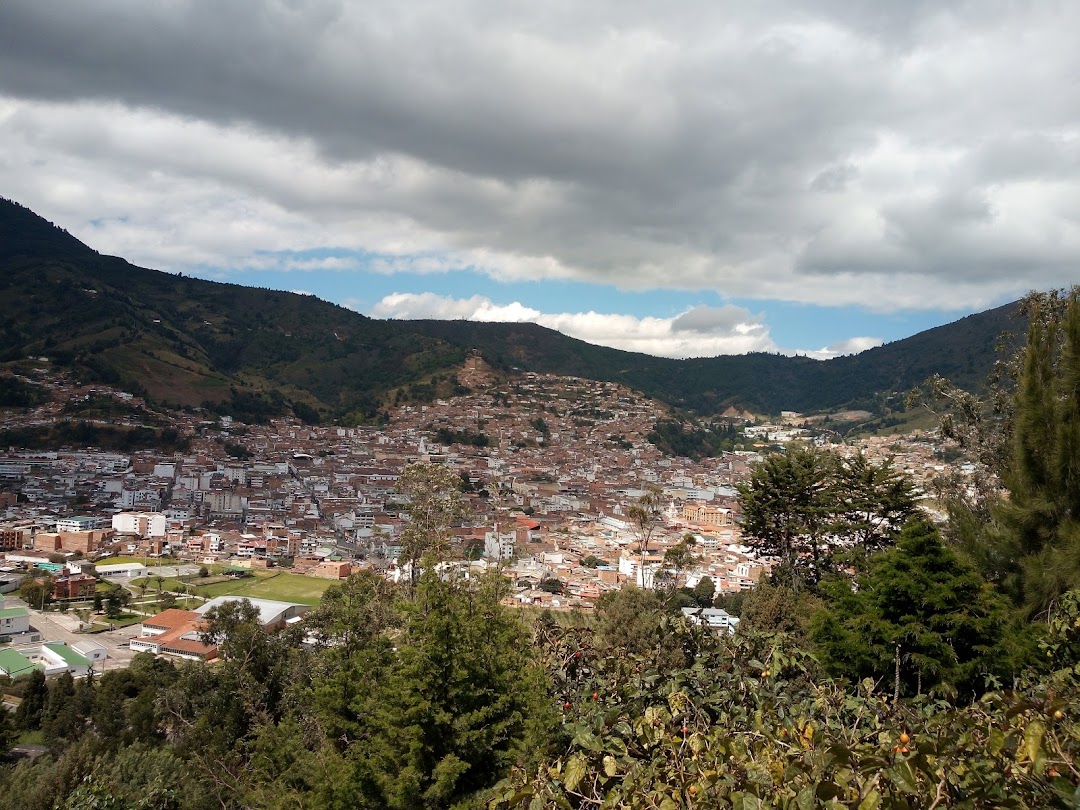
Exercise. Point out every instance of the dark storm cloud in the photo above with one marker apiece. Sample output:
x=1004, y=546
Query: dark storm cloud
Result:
x=832, y=153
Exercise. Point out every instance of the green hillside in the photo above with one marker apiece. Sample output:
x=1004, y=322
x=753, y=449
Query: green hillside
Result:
x=259, y=352
x=187, y=340
x=963, y=351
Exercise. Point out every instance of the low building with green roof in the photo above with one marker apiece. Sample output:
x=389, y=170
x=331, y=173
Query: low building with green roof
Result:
x=14, y=663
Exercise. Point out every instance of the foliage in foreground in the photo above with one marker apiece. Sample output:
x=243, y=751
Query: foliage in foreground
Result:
x=742, y=724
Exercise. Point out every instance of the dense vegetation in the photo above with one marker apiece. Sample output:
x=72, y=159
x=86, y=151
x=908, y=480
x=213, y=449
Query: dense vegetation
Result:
x=675, y=437
x=187, y=341
x=80, y=433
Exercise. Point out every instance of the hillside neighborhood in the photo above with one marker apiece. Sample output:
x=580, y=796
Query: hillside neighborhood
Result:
x=550, y=468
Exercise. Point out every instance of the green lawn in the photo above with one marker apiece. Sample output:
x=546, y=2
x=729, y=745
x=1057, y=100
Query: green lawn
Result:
x=147, y=560
x=123, y=620
x=279, y=585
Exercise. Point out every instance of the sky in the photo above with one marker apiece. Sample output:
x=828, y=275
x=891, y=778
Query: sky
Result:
x=682, y=179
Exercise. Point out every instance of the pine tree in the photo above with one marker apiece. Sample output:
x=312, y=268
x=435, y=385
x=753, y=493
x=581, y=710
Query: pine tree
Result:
x=1039, y=524
x=921, y=614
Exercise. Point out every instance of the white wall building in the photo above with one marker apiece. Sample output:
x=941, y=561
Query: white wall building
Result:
x=144, y=524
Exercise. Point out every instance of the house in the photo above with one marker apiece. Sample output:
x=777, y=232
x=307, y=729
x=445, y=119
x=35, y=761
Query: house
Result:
x=713, y=618
x=175, y=633
x=91, y=651
x=53, y=657
x=74, y=586
x=14, y=620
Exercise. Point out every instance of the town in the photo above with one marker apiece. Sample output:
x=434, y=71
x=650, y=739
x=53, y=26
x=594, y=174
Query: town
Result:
x=116, y=552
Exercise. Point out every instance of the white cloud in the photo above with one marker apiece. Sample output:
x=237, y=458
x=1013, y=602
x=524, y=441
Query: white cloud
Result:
x=884, y=154
x=698, y=332
x=850, y=346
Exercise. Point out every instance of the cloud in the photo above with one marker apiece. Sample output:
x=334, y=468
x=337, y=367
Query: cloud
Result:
x=880, y=153
x=698, y=332
x=850, y=346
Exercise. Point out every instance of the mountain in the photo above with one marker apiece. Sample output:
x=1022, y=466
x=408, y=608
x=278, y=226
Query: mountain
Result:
x=963, y=351
x=257, y=352
x=186, y=340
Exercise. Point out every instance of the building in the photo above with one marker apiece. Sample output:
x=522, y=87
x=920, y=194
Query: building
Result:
x=272, y=614
x=144, y=524
x=13, y=664
x=175, y=633
x=53, y=658
x=87, y=541
x=12, y=539
x=80, y=524
x=14, y=620
x=706, y=514
x=74, y=586
x=714, y=618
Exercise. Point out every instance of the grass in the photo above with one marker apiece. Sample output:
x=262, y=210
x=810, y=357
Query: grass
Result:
x=279, y=585
x=123, y=620
x=149, y=561
x=35, y=737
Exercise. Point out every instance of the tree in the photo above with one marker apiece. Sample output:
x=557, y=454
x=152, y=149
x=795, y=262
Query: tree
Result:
x=8, y=732
x=920, y=614
x=679, y=558
x=35, y=694
x=645, y=514
x=36, y=591
x=460, y=696
x=114, y=601
x=704, y=591
x=434, y=507
x=1027, y=432
x=787, y=505
x=874, y=502
x=1041, y=517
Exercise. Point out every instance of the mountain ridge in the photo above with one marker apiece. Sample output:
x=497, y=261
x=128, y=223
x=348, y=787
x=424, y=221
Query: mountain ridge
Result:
x=188, y=341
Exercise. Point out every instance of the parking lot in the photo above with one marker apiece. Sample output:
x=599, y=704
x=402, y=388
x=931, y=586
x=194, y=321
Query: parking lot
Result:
x=61, y=627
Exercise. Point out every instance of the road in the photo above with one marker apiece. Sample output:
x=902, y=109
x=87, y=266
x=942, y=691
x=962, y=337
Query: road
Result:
x=62, y=626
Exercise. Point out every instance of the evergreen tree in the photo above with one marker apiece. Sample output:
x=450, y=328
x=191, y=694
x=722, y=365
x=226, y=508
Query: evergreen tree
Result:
x=434, y=507
x=34, y=697
x=459, y=697
x=874, y=502
x=921, y=615
x=787, y=504
x=1039, y=524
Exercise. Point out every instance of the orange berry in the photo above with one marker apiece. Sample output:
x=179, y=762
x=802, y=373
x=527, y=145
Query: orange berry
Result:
x=904, y=738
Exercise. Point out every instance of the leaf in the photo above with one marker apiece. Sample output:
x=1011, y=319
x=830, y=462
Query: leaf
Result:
x=872, y=800
x=610, y=766
x=903, y=776
x=575, y=771
x=1033, y=737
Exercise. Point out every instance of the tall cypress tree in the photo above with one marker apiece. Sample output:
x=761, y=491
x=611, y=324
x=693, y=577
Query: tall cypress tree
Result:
x=1040, y=521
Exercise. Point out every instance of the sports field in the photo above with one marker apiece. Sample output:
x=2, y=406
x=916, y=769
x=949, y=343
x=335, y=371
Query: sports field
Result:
x=279, y=585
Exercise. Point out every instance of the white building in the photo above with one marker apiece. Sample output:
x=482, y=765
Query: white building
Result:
x=499, y=546
x=80, y=524
x=14, y=620
x=144, y=524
